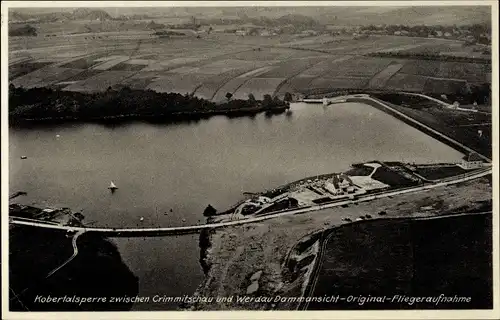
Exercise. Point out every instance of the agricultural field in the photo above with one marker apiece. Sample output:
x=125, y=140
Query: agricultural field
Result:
x=446, y=86
x=264, y=55
x=291, y=67
x=444, y=47
x=258, y=87
x=428, y=68
x=379, y=80
x=319, y=68
x=20, y=69
x=83, y=75
x=126, y=66
x=180, y=83
x=87, y=62
x=439, y=172
x=369, y=44
x=45, y=77
x=473, y=72
x=295, y=84
x=406, y=82
x=397, y=254
x=339, y=82
x=139, y=81
x=360, y=67
x=216, y=83
x=234, y=84
x=215, y=64
x=99, y=82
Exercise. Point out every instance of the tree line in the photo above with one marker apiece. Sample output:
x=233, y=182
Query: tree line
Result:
x=46, y=103
x=430, y=56
x=477, y=30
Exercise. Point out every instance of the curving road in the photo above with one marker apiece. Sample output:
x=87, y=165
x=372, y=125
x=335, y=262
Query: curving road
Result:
x=75, y=252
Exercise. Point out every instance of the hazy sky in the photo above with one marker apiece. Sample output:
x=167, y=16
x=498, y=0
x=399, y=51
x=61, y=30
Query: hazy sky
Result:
x=349, y=15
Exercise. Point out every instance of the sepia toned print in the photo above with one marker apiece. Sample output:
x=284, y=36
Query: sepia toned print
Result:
x=246, y=158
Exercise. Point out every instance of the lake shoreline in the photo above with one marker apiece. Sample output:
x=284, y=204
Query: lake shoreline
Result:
x=167, y=173
x=42, y=105
x=156, y=118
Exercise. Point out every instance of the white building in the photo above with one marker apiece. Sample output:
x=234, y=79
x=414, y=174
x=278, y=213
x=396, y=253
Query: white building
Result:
x=265, y=33
x=473, y=161
x=331, y=188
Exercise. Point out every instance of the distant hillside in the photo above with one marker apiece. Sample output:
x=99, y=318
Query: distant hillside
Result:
x=345, y=16
x=445, y=15
x=331, y=14
x=305, y=22
x=17, y=17
x=90, y=14
x=79, y=14
x=409, y=15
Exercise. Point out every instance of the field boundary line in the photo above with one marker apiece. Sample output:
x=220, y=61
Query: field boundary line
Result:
x=340, y=59
x=384, y=81
x=287, y=80
x=227, y=81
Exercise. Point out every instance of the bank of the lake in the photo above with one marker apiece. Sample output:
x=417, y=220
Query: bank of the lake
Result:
x=167, y=173
x=45, y=105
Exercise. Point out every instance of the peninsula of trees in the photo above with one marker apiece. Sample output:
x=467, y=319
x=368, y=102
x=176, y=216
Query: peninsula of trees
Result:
x=45, y=104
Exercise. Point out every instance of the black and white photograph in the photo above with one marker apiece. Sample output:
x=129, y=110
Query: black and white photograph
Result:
x=249, y=156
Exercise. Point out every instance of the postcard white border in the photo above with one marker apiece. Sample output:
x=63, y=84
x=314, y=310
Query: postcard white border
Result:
x=392, y=314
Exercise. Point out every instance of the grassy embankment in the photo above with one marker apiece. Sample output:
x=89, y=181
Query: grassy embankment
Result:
x=439, y=172
x=450, y=256
x=461, y=126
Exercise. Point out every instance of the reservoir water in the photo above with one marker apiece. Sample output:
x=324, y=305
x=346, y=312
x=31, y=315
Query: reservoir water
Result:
x=168, y=174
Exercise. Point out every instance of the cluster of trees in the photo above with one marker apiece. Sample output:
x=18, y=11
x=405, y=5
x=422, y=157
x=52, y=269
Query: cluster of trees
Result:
x=155, y=26
x=299, y=22
x=475, y=30
x=470, y=93
x=409, y=101
x=43, y=103
x=166, y=33
x=429, y=56
x=479, y=93
x=22, y=31
x=467, y=94
x=290, y=23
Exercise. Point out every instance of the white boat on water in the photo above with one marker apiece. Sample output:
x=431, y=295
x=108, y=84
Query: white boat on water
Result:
x=112, y=186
